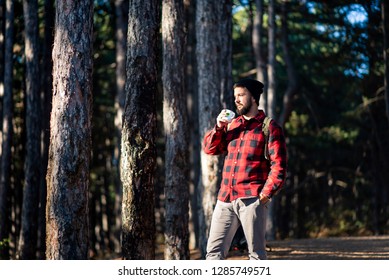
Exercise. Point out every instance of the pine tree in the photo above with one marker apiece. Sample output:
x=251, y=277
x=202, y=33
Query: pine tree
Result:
x=70, y=139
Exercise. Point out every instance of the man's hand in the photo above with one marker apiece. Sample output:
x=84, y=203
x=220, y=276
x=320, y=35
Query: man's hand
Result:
x=263, y=199
x=221, y=120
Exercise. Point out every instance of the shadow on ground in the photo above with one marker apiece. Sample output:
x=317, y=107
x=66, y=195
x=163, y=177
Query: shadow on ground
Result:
x=337, y=248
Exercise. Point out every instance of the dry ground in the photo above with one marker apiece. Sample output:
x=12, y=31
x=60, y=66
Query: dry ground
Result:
x=339, y=248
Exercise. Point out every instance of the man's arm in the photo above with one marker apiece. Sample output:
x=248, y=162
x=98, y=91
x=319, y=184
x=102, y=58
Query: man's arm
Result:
x=214, y=143
x=278, y=161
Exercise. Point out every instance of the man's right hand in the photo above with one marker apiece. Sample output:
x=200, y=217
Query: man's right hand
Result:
x=221, y=120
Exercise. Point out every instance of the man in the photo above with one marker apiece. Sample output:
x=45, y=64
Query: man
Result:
x=249, y=180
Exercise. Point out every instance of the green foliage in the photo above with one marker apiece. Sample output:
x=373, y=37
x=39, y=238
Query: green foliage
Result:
x=334, y=138
x=4, y=243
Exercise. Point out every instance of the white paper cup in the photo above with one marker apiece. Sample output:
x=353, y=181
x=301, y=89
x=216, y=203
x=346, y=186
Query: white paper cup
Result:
x=229, y=115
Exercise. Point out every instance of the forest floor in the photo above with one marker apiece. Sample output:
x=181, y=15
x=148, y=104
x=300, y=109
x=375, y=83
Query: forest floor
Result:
x=334, y=248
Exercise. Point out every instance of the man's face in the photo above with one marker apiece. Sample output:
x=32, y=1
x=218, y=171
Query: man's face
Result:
x=243, y=100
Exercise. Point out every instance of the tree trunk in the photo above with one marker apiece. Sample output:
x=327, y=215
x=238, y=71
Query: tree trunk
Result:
x=225, y=59
x=290, y=69
x=257, y=39
x=29, y=229
x=211, y=66
x=271, y=99
x=372, y=83
x=176, y=128
x=2, y=14
x=5, y=182
x=121, y=11
x=70, y=141
x=385, y=20
x=192, y=103
x=47, y=92
x=271, y=66
x=138, y=155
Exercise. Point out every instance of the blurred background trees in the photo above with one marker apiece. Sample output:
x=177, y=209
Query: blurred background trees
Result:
x=327, y=89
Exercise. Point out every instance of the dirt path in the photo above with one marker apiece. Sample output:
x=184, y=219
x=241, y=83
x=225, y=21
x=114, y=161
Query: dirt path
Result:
x=340, y=248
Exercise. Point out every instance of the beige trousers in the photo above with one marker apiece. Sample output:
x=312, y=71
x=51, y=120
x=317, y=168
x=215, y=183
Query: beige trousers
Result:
x=227, y=217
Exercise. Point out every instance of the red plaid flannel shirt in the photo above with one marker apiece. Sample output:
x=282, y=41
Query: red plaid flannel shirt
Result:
x=246, y=172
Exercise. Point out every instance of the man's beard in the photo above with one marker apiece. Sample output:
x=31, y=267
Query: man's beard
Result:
x=245, y=109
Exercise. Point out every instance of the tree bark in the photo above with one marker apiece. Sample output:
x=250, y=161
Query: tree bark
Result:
x=176, y=128
x=138, y=155
x=290, y=69
x=225, y=59
x=5, y=180
x=211, y=69
x=271, y=66
x=192, y=102
x=29, y=229
x=2, y=19
x=46, y=92
x=257, y=39
x=121, y=12
x=385, y=25
x=271, y=99
x=70, y=140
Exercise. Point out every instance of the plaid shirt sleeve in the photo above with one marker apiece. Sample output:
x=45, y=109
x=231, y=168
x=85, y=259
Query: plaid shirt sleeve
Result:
x=278, y=160
x=214, y=142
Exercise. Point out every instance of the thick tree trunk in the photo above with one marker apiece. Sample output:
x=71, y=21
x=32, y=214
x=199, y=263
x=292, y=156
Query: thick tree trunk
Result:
x=211, y=68
x=176, y=132
x=5, y=179
x=29, y=229
x=138, y=156
x=70, y=141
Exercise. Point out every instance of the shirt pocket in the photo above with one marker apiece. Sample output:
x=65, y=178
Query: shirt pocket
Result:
x=253, y=145
x=233, y=140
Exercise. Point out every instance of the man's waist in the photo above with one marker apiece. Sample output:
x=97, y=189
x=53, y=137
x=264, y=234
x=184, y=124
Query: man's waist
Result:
x=232, y=192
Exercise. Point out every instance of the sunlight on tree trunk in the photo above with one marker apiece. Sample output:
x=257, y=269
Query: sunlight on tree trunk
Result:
x=121, y=12
x=176, y=132
x=29, y=229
